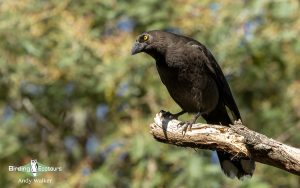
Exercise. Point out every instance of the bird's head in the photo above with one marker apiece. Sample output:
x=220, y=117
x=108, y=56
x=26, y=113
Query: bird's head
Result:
x=151, y=42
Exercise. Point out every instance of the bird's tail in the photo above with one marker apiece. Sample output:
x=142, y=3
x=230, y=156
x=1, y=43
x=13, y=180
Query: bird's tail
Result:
x=232, y=167
x=230, y=164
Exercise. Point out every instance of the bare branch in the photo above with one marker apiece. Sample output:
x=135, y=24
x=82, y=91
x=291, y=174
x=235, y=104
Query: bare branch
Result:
x=236, y=139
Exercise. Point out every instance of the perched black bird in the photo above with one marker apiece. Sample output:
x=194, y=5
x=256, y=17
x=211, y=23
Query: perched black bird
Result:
x=197, y=84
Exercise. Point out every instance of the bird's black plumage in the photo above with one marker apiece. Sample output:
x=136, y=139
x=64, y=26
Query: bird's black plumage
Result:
x=197, y=84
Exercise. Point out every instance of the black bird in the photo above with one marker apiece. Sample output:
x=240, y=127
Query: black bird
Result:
x=197, y=84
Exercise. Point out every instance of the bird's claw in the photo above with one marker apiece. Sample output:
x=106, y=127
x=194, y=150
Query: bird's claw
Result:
x=185, y=126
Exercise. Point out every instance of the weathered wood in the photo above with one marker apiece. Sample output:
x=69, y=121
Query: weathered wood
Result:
x=236, y=139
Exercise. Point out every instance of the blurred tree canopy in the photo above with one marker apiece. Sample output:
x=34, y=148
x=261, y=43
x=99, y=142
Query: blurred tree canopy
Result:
x=72, y=96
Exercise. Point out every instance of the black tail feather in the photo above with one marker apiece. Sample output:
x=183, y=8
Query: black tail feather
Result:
x=231, y=165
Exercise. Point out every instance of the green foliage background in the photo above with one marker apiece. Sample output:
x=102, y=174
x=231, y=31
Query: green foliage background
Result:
x=72, y=96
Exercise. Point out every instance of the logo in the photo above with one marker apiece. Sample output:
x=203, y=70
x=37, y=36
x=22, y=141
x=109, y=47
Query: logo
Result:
x=34, y=169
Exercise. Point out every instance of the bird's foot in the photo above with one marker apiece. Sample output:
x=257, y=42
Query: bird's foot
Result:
x=185, y=125
x=169, y=115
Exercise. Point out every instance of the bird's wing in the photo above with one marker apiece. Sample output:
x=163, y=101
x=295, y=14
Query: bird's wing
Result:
x=203, y=54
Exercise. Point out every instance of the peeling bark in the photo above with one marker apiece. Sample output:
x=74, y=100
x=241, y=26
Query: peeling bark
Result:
x=237, y=140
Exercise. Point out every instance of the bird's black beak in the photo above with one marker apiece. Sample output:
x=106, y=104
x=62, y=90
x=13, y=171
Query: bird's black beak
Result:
x=137, y=48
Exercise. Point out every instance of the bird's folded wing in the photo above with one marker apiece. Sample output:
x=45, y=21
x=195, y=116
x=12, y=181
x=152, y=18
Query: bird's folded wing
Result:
x=203, y=55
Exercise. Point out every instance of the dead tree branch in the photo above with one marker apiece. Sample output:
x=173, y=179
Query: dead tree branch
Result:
x=236, y=139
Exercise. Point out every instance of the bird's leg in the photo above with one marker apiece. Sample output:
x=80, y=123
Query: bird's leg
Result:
x=188, y=124
x=172, y=116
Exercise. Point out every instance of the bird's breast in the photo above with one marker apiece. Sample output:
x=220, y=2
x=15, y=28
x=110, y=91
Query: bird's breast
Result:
x=191, y=89
x=180, y=89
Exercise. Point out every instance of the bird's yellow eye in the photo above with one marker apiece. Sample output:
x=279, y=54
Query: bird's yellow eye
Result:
x=145, y=37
